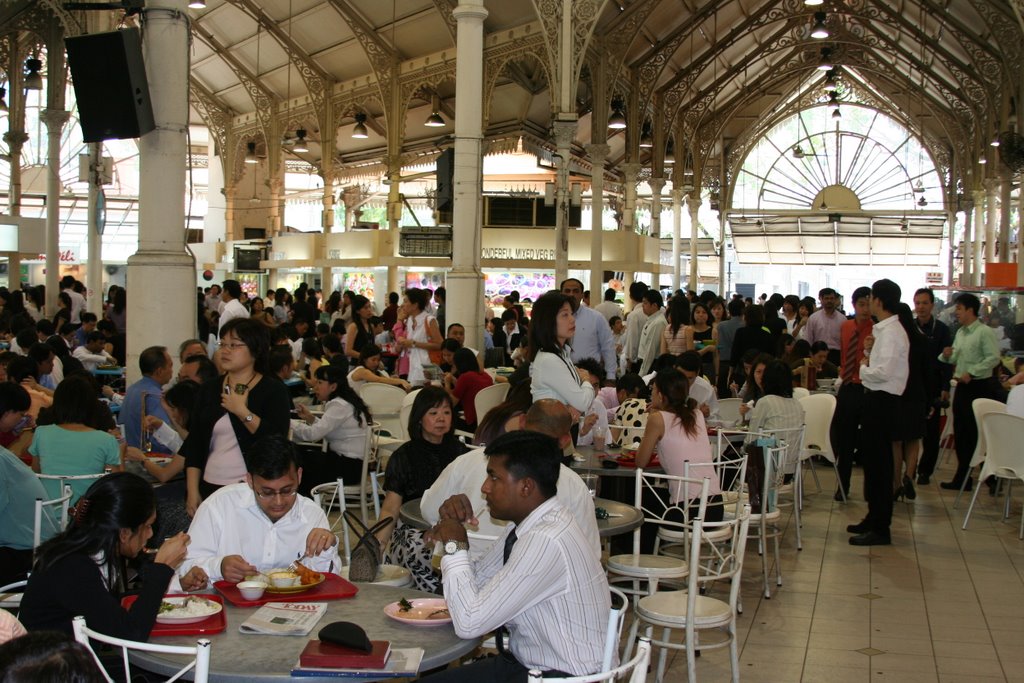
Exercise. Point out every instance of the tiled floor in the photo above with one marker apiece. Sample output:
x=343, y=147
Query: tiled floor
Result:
x=940, y=604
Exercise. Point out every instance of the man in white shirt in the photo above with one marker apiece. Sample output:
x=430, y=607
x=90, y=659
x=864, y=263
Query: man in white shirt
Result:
x=593, y=337
x=232, y=308
x=635, y=321
x=1015, y=401
x=263, y=523
x=92, y=354
x=650, y=339
x=701, y=391
x=883, y=372
x=608, y=308
x=539, y=579
x=456, y=492
x=67, y=284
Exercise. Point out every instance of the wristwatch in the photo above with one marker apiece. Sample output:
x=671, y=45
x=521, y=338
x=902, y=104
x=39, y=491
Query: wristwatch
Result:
x=452, y=547
x=249, y=417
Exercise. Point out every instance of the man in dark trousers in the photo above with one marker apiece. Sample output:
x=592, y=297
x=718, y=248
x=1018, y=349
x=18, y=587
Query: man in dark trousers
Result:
x=844, y=432
x=936, y=381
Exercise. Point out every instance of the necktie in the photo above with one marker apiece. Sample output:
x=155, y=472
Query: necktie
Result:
x=499, y=637
x=850, y=360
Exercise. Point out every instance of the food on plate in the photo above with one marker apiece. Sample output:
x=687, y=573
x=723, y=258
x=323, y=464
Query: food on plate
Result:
x=191, y=606
x=406, y=608
x=404, y=605
x=306, y=575
x=282, y=578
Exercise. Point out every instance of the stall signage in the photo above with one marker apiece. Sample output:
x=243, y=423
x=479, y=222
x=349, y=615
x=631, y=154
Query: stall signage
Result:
x=518, y=253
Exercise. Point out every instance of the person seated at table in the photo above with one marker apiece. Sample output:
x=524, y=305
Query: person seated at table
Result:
x=507, y=416
x=262, y=523
x=816, y=365
x=48, y=656
x=411, y=470
x=370, y=369
x=343, y=425
x=80, y=572
x=595, y=419
x=463, y=383
x=91, y=354
x=456, y=492
x=198, y=368
x=776, y=409
x=677, y=430
x=143, y=397
x=631, y=415
x=538, y=579
x=753, y=387
x=701, y=390
x=281, y=363
x=70, y=445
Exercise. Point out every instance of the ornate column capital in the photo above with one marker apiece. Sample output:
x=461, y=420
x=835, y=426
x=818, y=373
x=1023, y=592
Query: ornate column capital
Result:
x=470, y=12
x=598, y=153
x=54, y=119
x=992, y=185
x=15, y=138
x=631, y=171
x=657, y=185
x=564, y=132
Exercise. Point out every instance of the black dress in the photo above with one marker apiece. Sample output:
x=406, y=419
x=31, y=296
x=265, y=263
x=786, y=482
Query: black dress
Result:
x=913, y=404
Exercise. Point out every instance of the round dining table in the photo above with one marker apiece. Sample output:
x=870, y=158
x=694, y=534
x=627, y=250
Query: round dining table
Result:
x=621, y=518
x=237, y=657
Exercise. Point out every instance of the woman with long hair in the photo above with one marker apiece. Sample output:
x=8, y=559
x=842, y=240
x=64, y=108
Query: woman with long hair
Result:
x=803, y=313
x=81, y=571
x=552, y=372
x=371, y=369
x=913, y=412
x=258, y=313
x=753, y=387
x=673, y=339
x=248, y=402
x=463, y=383
x=421, y=334
x=676, y=428
x=35, y=301
x=505, y=417
x=63, y=314
x=776, y=409
x=358, y=333
x=343, y=425
x=702, y=337
x=411, y=470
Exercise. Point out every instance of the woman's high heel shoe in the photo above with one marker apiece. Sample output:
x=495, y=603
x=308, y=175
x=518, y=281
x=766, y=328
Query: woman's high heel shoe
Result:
x=896, y=497
x=908, y=488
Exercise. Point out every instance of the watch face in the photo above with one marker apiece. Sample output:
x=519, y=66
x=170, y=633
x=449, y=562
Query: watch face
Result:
x=450, y=547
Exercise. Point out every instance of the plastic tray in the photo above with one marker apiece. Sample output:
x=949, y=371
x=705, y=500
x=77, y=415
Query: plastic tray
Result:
x=215, y=623
x=333, y=588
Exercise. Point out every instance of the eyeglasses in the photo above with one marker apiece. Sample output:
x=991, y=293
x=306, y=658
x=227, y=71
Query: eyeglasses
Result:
x=234, y=345
x=270, y=495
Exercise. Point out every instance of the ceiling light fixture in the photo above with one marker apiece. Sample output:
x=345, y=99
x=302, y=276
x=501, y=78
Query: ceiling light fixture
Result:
x=922, y=202
x=300, y=141
x=670, y=153
x=919, y=188
x=646, y=139
x=250, y=153
x=798, y=152
x=830, y=84
x=435, y=120
x=813, y=3
x=197, y=4
x=359, y=130
x=819, y=31
x=33, y=79
x=995, y=142
x=836, y=114
x=825, y=63
x=982, y=159
x=617, y=121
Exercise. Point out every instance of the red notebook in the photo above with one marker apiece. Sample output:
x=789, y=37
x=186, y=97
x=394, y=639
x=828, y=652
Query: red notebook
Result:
x=321, y=655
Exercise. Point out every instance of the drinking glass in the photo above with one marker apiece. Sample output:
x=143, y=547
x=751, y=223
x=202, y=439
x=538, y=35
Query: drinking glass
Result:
x=592, y=482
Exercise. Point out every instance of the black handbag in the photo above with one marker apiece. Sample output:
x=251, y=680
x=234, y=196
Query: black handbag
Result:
x=365, y=559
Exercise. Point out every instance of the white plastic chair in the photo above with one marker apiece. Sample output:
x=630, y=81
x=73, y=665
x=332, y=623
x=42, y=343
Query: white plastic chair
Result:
x=800, y=393
x=818, y=412
x=729, y=410
x=63, y=479
x=947, y=445
x=404, y=413
x=200, y=665
x=1005, y=459
x=11, y=600
x=385, y=403
x=710, y=563
x=489, y=397
x=363, y=493
x=636, y=668
x=638, y=567
x=59, y=524
x=981, y=407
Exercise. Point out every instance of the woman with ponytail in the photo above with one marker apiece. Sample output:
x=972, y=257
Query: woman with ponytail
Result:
x=344, y=424
x=81, y=571
x=676, y=428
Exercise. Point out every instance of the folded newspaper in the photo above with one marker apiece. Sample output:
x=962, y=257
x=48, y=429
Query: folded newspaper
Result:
x=284, y=618
x=401, y=663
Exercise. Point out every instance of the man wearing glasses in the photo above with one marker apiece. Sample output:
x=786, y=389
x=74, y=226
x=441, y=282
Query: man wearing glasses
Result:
x=261, y=523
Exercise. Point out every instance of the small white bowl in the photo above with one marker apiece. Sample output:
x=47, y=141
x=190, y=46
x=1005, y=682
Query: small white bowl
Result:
x=284, y=579
x=252, y=590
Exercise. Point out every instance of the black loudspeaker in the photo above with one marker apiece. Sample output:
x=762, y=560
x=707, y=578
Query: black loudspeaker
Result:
x=445, y=180
x=109, y=77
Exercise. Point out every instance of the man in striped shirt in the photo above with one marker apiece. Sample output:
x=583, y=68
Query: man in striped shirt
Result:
x=537, y=579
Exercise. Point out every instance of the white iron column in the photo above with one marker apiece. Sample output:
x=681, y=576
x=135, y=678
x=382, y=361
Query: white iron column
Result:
x=161, y=270
x=693, y=202
x=598, y=153
x=465, y=281
x=565, y=131
x=630, y=172
x=978, y=266
x=54, y=120
x=328, y=204
x=677, y=237
x=721, y=253
x=657, y=185
x=992, y=220
x=1005, y=186
x=967, y=247
x=94, y=272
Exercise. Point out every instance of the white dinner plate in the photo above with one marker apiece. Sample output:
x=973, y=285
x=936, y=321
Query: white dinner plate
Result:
x=171, y=618
x=421, y=609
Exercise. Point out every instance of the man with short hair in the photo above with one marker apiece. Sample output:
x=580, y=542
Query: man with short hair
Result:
x=261, y=523
x=726, y=333
x=844, y=432
x=91, y=354
x=67, y=284
x=390, y=313
x=701, y=391
x=936, y=379
x=212, y=299
x=608, y=308
x=593, y=337
x=540, y=579
x=883, y=372
x=650, y=339
x=635, y=321
x=826, y=325
x=157, y=368
x=974, y=355
x=232, y=308
x=199, y=368
x=88, y=325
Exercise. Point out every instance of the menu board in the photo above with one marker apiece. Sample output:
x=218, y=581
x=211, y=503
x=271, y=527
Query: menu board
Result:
x=359, y=282
x=529, y=285
x=422, y=280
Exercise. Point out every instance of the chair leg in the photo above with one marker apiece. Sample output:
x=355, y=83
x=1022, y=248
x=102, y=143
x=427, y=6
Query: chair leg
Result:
x=691, y=657
x=970, y=508
x=963, y=485
x=835, y=468
x=799, y=523
x=734, y=655
x=778, y=563
x=814, y=473
x=631, y=638
x=666, y=634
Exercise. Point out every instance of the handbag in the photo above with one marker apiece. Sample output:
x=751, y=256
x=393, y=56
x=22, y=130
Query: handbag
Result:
x=755, y=476
x=365, y=559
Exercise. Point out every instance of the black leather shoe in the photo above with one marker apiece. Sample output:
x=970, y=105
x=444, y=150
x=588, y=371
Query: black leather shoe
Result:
x=955, y=485
x=923, y=479
x=870, y=538
x=859, y=528
x=908, y=488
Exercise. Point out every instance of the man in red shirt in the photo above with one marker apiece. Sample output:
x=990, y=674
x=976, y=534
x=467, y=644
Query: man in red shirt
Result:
x=844, y=431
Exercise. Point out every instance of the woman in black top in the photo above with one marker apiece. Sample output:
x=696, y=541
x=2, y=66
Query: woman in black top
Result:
x=913, y=411
x=250, y=401
x=411, y=471
x=752, y=335
x=81, y=571
x=358, y=333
